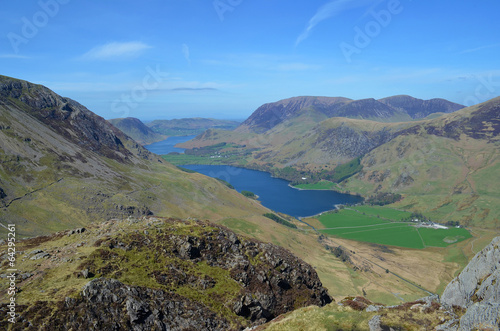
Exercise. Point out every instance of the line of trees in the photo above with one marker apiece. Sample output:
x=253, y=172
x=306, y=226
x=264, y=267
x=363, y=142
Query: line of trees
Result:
x=280, y=220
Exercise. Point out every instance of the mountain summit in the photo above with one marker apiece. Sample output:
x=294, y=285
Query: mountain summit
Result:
x=392, y=109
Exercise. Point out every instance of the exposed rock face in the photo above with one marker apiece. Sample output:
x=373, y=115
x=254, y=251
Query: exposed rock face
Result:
x=370, y=109
x=477, y=288
x=108, y=304
x=345, y=142
x=482, y=316
x=418, y=108
x=479, y=281
x=272, y=280
x=67, y=117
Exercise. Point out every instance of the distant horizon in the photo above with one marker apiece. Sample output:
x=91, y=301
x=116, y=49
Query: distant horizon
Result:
x=146, y=120
x=224, y=59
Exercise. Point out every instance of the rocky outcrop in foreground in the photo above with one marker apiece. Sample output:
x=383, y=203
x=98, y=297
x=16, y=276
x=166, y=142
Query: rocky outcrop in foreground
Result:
x=166, y=274
x=477, y=289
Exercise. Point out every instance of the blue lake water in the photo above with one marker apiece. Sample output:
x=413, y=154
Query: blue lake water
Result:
x=167, y=146
x=275, y=193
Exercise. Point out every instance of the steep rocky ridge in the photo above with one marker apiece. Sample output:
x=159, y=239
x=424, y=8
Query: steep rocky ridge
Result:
x=67, y=117
x=269, y=115
x=418, y=108
x=61, y=166
x=134, y=128
x=391, y=109
x=158, y=274
x=372, y=109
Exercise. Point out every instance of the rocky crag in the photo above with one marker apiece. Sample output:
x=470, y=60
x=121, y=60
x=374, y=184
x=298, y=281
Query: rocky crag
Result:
x=161, y=274
x=477, y=289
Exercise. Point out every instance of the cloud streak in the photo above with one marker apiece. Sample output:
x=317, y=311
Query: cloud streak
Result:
x=329, y=10
x=185, y=52
x=472, y=50
x=115, y=50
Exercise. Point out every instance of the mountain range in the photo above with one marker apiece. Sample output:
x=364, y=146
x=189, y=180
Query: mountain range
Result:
x=391, y=109
x=442, y=164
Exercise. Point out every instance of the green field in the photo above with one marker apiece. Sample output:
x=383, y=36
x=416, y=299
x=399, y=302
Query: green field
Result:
x=322, y=185
x=363, y=224
x=383, y=212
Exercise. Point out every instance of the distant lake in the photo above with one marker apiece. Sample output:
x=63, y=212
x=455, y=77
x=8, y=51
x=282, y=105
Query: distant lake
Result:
x=167, y=146
x=275, y=193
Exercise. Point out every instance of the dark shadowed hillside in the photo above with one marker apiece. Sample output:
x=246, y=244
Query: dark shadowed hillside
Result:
x=418, y=108
x=134, y=128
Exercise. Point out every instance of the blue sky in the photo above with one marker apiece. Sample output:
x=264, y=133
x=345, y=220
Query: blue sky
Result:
x=224, y=58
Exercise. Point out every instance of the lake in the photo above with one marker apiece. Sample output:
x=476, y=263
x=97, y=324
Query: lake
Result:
x=167, y=146
x=275, y=193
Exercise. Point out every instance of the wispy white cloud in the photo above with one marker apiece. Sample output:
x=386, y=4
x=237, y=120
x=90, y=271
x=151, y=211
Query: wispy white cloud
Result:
x=115, y=50
x=329, y=10
x=185, y=52
x=472, y=50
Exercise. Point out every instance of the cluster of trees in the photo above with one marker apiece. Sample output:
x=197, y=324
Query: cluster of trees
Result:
x=295, y=176
x=346, y=170
x=416, y=216
x=383, y=198
x=452, y=223
x=249, y=194
x=202, y=151
x=279, y=220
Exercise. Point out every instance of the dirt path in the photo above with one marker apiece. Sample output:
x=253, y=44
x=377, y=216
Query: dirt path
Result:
x=34, y=191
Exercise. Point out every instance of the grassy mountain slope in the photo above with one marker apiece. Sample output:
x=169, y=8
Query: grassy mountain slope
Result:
x=62, y=166
x=137, y=130
x=56, y=173
x=317, y=133
x=445, y=167
x=304, y=143
x=189, y=126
